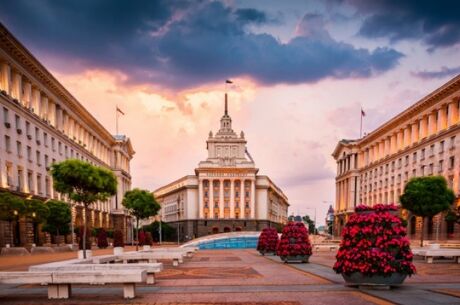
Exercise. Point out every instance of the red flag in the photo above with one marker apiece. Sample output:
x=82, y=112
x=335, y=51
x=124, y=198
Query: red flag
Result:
x=228, y=81
x=362, y=112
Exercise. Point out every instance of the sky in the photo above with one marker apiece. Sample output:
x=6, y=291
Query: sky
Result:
x=301, y=72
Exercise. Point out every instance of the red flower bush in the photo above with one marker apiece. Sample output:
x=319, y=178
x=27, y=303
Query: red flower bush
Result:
x=268, y=240
x=294, y=240
x=374, y=243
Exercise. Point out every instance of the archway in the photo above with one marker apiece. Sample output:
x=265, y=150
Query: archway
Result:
x=227, y=229
x=215, y=230
x=238, y=229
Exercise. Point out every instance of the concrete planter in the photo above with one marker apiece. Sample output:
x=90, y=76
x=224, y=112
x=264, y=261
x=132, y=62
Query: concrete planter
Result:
x=118, y=250
x=295, y=259
x=146, y=247
x=89, y=254
x=264, y=252
x=358, y=279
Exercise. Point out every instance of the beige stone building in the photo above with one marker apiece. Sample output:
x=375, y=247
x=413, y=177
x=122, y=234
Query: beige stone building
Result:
x=42, y=123
x=225, y=193
x=422, y=140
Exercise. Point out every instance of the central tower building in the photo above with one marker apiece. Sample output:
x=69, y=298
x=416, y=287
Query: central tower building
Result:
x=225, y=194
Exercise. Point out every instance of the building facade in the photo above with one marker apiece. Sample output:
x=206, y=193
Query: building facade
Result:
x=225, y=194
x=42, y=123
x=422, y=140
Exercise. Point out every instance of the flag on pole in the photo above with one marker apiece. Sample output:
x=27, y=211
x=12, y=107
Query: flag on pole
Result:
x=119, y=110
x=228, y=81
x=362, y=112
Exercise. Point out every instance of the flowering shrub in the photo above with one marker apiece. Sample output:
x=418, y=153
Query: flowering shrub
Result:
x=102, y=242
x=294, y=241
x=363, y=208
x=148, y=239
x=118, y=240
x=374, y=244
x=141, y=238
x=268, y=240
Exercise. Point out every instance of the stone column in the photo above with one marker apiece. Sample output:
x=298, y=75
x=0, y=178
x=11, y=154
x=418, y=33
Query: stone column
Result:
x=453, y=113
x=414, y=133
x=242, y=198
x=407, y=135
x=44, y=112
x=393, y=144
x=211, y=198
x=442, y=118
x=16, y=91
x=232, y=198
x=400, y=139
x=423, y=128
x=221, y=198
x=27, y=94
x=253, y=199
x=431, y=124
x=200, y=198
x=5, y=78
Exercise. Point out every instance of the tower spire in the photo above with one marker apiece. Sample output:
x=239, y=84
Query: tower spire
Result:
x=226, y=104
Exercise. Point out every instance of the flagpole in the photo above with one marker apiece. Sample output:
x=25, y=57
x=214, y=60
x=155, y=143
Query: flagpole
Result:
x=116, y=119
x=361, y=124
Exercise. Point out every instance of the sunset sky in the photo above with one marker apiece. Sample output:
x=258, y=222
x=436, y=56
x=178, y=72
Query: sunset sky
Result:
x=301, y=71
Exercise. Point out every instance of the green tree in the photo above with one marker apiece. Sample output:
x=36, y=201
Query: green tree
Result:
x=37, y=211
x=141, y=204
x=11, y=207
x=311, y=224
x=83, y=183
x=58, y=218
x=426, y=197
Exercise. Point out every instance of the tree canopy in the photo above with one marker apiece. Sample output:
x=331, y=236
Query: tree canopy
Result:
x=140, y=203
x=426, y=197
x=58, y=219
x=83, y=182
x=10, y=203
x=36, y=210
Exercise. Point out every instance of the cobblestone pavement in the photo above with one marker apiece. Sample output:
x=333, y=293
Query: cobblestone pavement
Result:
x=235, y=277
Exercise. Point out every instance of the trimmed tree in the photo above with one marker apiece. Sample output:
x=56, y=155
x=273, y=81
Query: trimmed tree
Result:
x=141, y=204
x=11, y=207
x=426, y=197
x=83, y=183
x=37, y=211
x=58, y=219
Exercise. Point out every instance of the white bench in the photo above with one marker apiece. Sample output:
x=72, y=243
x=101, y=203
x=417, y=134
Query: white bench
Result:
x=186, y=252
x=151, y=269
x=59, y=282
x=430, y=254
x=152, y=257
x=60, y=287
x=329, y=247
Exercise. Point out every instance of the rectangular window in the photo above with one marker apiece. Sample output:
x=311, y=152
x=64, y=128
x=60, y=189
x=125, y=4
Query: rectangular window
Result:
x=431, y=150
x=17, y=121
x=451, y=162
x=28, y=130
x=37, y=155
x=39, y=184
x=53, y=144
x=422, y=154
x=440, y=169
x=19, y=149
x=66, y=152
x=6, y=116
x=29, y=153
x=7, y=144
x=430, y=169
x=37, y=135
x=60, y=147
x=30, y=181
x=46, y=161
x=452, y=142
x=45, y=139
x=407, y=160
x=441, y=147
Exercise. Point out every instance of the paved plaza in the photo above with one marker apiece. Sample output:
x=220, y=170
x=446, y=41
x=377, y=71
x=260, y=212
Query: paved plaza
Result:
x=245, y=277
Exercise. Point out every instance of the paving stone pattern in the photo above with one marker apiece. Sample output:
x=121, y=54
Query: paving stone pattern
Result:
x=236, y=277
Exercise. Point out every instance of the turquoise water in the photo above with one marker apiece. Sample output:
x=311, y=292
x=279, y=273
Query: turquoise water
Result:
x=230, y=243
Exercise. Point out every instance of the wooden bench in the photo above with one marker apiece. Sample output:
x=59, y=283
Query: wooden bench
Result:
x=151, y=269
x=59, y=282
x=431, y=254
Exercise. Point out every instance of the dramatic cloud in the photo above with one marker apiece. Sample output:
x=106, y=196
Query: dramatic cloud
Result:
x=443, y=72
x=436, y=23
x=181, y=44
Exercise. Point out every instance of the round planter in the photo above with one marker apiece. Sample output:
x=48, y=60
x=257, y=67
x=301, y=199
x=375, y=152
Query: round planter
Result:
x=89, y=254
x=358, y=279
x=364, y=212
x=265, y=252
x=295, y=258
x=118, y=251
